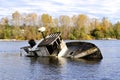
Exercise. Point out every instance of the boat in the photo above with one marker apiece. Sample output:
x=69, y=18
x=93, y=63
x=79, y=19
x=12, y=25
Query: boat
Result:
x=54, y=45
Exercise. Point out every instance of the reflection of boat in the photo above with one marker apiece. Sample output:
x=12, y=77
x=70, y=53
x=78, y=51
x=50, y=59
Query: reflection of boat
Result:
x=54, y=45
x=61, y=61
x=51, y=60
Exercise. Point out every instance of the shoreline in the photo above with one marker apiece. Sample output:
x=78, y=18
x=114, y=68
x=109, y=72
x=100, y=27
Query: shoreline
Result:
x=11, y=40
x=67, y=39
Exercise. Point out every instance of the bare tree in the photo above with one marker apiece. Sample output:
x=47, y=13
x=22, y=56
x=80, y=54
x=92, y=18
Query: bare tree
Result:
x=4, y=21
x=64, y=20
x=31, y=19
x=16, y=16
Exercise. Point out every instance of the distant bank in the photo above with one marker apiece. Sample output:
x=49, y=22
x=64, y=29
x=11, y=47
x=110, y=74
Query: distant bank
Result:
x=25, y=40
x=10, y=40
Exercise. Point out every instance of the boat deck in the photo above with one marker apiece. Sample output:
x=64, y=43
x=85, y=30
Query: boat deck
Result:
x=50, y=39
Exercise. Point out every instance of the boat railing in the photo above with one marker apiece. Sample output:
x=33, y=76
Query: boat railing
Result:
x=55, y=34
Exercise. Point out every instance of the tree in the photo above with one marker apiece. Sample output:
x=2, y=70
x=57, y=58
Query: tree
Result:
x=65, y=24
x=117, y=30
x=46, y=19
x=16, y=19
x=31, y=19
x=106, y=23
x=82, y=21
x=94, y=23
x=74, y=21
x=55, y=22
x=64, y=20
x=4, y=21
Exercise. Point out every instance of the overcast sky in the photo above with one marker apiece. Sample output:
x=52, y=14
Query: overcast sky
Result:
x=92, y=8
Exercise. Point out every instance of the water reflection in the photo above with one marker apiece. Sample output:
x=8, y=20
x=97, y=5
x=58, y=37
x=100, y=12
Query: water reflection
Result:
x=61, y=68
x=61, y=61
x=48, y=60
x=47, y=68
x=88, y=61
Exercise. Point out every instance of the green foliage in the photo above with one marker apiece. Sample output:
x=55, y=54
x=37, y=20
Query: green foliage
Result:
x=117, y=30
x=74, y=34
x=5, y=32
x=80, y=26
x=72, y=37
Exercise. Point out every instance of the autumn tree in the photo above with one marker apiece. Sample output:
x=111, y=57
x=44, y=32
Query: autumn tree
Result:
x=65, y=24
x=64, y=20
x=4, y=21
x=25, y=26
x=30, y=19
x=106, y=23
x=55, y=22
x=46, y=20
x=74, y=21
x=94, y=23
x=117, y=30
x=16, y=16
x=82, y=21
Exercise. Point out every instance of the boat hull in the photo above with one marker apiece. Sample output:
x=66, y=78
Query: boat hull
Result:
x=73, y=49
x=83, y=50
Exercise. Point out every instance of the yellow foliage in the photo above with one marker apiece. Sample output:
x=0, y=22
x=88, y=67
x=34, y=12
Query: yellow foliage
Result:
x=88, y=37
x=99, y=28
x=46, y=18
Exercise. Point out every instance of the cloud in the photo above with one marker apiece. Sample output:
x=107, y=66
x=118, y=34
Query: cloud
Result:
x=92, y=8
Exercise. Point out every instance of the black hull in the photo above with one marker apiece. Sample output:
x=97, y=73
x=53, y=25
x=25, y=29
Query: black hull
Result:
x=90, y=50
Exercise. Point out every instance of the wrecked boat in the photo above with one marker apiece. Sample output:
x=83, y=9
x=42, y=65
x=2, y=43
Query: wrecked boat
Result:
x=54, y=45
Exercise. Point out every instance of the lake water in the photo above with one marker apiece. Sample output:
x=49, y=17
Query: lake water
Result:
x=16, y=67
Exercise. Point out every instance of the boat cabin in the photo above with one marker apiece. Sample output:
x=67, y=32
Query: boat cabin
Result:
x=51, y=45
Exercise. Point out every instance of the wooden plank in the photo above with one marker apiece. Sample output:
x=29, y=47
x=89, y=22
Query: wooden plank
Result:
x=86, y=53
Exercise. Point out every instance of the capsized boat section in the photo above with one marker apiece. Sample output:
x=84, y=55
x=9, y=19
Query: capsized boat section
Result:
x=85, y=50
x=54, y=45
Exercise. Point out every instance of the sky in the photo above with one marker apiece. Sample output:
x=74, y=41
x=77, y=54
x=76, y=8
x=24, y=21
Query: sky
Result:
x=92, y=8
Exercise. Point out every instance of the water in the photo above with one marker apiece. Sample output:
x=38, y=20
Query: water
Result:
x=16, y=67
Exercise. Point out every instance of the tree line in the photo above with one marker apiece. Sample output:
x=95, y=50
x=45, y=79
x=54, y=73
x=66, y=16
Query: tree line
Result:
x=81, y=27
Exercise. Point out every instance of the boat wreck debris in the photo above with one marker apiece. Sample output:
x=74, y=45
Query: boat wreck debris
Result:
x=54, y=45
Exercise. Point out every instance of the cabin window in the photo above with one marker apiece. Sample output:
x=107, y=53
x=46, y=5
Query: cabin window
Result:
x=50, y=48
x=54, y=45
x=58, y=41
